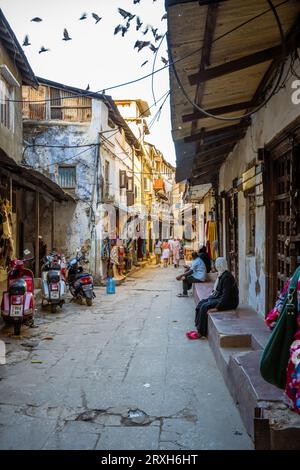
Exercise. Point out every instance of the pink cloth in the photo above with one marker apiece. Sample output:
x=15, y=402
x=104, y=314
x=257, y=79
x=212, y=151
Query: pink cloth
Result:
x=176, y=250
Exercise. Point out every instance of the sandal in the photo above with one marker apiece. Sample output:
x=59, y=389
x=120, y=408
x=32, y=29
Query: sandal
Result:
x=192, y=335
x=182, y=295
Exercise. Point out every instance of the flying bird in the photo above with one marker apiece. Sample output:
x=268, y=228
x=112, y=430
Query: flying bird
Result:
x=141, y=44
x=136, y=1
x=118, y=29
x=36, y=19
x=83, y=16
x=153, y=48
x=126, y=14
x=144, y=63
x=96, y=17
x=43, y=49
x=146, y=30
x=139, y=24
x=124, y=30
x=158, y=37
x=66, y=36
x=154, y=31
x=164, y=17
x=164, y=61
x=26, y=41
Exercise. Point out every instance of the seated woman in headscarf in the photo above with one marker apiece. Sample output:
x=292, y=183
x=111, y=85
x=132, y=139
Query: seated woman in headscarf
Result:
x=225, y=296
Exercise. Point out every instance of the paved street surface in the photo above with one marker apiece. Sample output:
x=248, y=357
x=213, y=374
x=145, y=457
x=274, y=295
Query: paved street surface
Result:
x=119, y=375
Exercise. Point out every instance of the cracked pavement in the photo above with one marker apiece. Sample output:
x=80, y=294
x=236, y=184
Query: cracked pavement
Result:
x=118, y=375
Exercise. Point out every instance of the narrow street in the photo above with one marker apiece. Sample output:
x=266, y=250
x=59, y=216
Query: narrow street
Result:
x=119, y=375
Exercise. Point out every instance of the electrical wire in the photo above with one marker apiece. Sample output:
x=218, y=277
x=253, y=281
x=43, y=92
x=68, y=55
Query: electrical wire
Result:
x=90, y=146
x=97, y=144
x=171, y=63
x=153, y=66
x=250, y=113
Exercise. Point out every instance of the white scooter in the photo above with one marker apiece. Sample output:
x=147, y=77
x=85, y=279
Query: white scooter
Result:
x=53, y=282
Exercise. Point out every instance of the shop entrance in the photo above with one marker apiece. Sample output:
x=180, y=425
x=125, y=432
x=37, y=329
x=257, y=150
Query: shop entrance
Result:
x=283, y=215
x=232, y=240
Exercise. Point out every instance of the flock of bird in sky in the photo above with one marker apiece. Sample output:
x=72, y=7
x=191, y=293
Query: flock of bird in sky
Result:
x=121, y=28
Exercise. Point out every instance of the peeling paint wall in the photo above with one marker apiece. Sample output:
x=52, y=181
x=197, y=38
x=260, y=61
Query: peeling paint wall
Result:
x=75, y=222
x=266, y=124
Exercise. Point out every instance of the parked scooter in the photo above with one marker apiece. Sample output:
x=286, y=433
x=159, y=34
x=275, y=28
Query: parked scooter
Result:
x=80, y=283
x=53, y=282
x=18, y=303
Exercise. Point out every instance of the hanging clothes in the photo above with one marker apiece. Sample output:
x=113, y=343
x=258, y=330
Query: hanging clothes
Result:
x=292, y=388
x=211, y=239
x=6, y=236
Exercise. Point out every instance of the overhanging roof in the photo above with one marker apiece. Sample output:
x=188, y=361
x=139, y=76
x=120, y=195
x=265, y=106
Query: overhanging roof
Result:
x=33, y=179
x=227, y=76
x=15, y=52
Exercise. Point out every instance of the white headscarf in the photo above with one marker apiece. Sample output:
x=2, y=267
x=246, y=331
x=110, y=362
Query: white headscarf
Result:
x=221, y=266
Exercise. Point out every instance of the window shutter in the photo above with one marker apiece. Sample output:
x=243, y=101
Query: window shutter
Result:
x=123, y=179
x=130, y=198
x=130, y=183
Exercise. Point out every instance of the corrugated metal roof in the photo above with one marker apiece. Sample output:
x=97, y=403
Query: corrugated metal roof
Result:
x=171, y=3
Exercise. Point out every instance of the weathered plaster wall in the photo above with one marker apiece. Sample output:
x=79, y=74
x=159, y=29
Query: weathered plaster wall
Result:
x=11, y=141
x=75, y=223
x=266, y=124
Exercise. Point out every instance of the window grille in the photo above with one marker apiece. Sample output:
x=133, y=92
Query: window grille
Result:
x=67, y=177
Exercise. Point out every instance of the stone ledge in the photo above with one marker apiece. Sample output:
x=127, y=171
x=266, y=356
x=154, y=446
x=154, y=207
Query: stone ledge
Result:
x=237, y=339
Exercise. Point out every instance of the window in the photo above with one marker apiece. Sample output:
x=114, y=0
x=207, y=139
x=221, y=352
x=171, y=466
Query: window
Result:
x=67, y=177
x=130, y=184
x=6, y=107
x=251, y=208
x=146, y=184
x=123, y=179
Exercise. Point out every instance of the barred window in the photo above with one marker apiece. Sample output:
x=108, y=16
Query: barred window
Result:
x=67, y=177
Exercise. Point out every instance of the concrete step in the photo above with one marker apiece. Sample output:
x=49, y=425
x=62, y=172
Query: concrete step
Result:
x=237, y=339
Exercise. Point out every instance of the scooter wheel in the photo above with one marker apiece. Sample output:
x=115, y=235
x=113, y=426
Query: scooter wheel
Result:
x=17, y=328
x=89, y=302
x=53, y=308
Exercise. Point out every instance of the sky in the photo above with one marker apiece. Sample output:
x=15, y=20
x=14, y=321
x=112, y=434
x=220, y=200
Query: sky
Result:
x=96, y=56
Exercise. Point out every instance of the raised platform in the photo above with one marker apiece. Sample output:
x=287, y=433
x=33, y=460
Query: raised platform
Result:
x=237, y=338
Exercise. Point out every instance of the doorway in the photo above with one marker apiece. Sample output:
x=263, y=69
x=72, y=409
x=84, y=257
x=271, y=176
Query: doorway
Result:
x=283, y=216
x=232, y=237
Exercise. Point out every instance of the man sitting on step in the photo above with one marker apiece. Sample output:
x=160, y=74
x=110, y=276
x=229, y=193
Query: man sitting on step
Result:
x=193, y=274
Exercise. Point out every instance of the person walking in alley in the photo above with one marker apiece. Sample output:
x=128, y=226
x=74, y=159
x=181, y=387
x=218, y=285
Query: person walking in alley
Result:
x=225, y=296
x=196, y=273
x=165, y=253
x=171, y=245
x=176, y=252
x=157, y=251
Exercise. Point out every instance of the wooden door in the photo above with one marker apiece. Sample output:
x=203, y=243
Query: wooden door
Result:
x=283, y=218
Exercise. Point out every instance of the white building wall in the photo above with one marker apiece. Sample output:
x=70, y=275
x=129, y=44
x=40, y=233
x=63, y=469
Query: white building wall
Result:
x=266, y=124
x=75, y=222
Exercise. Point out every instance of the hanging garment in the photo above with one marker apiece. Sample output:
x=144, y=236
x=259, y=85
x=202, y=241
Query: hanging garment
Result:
x=105, y=248
x=6, y=239
x=211, y=239
x=280, y=363
x=176, y=251
x=114, y=255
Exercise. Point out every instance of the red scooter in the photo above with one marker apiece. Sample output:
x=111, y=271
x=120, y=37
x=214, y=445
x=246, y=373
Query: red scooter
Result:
x=18, y=304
